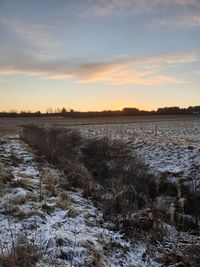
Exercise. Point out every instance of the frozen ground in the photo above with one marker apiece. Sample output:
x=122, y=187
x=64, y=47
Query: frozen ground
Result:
x=70, y=231
x=168, y=147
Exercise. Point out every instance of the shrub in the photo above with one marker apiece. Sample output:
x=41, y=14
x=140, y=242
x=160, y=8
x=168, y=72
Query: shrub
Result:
x=100, y=166
x=123, y=175
x=53, y=143
x=23, y=253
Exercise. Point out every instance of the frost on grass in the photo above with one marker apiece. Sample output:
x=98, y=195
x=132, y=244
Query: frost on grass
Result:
x=171, y=148
x=61, y=228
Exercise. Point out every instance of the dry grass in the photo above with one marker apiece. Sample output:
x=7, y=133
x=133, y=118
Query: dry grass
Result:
x=187, y=257
x=6, y=130
x=63, y=200
x=73, y=213
x=23, y=183
x=22, y=254
x=50, y=179
x=14, y=210
x=97, y=257
x=35, y=212
x=5, y=176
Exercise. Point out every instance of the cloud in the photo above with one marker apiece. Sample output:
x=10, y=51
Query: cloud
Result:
x=144, y=71
x=186, y=2
x=104, y=7
x=131, y=77
x=192, y=21
x=174, y=13
x=129, y=70
x=184, y=21
x=33, y=33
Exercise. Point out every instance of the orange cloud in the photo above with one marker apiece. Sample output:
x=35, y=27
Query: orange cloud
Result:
x=144, y=71
x=125, y=76
x=8, y=70
x=129, y=70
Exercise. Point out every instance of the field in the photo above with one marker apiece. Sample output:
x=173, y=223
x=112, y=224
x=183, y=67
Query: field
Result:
x=169, y=145
x=100, y=192
x=64, y=121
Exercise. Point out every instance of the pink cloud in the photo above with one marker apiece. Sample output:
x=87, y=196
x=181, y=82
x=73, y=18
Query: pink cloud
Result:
x=143, y=70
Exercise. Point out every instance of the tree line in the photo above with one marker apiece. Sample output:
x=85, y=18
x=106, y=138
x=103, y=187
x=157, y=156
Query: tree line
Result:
x=192, y=110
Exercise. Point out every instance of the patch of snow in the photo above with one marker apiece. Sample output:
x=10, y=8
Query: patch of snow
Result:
x=64, y=239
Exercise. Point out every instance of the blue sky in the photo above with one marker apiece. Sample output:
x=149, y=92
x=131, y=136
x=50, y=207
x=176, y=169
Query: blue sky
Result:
x=96, y=55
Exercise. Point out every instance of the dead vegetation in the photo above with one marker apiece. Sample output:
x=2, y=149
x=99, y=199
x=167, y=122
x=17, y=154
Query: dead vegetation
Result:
x=130, y=197
x=106, y=170
x=97, y=257
x=23, y=253
x=50, y=180
x=6, y=130
x=100, y=167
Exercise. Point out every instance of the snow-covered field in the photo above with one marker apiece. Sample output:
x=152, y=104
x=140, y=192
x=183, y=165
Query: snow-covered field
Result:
x=169, y=147
x=71, y=233
x=66, y=227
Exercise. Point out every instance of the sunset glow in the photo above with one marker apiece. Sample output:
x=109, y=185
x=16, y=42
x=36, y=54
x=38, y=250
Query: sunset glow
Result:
x=99, y=55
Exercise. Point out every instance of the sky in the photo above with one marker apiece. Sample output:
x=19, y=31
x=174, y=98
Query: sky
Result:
x=99, y=54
